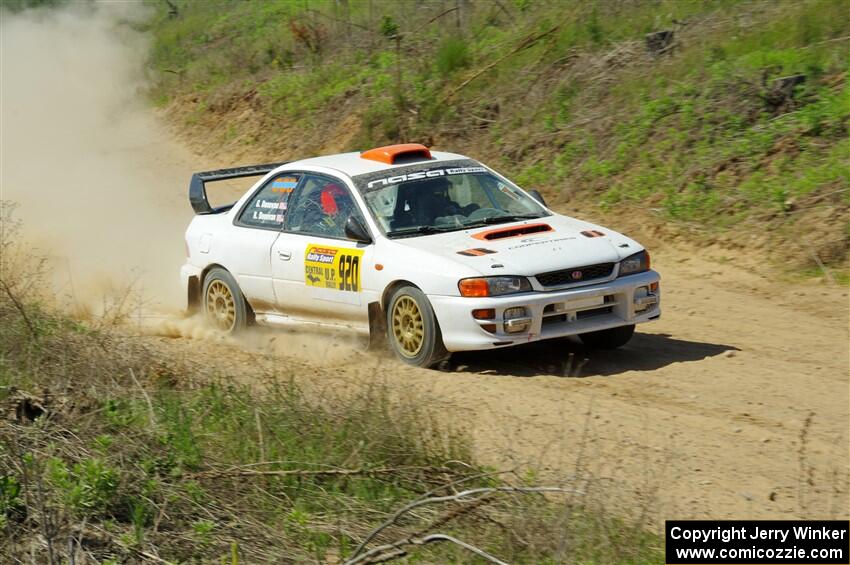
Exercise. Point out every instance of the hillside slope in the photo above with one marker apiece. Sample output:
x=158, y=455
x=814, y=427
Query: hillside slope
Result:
x=735, y=124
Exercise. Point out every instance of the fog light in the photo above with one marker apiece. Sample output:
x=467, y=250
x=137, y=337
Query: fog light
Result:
x=644, y=300
x=484, y=314
x=516, y=320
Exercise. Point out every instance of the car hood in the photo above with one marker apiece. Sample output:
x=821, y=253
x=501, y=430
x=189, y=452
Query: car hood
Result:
x=528, y=247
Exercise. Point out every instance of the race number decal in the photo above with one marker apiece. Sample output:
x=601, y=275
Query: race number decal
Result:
x=335, y=268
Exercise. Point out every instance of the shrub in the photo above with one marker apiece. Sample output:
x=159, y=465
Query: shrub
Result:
x=452, y=55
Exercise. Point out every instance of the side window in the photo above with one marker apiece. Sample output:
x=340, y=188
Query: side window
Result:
x=505, y=197
x=267, y=208
x=321, y=207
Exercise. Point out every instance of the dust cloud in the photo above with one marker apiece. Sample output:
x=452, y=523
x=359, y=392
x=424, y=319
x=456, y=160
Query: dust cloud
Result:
x=300, y=342
x=100, y=185
x=99, y=181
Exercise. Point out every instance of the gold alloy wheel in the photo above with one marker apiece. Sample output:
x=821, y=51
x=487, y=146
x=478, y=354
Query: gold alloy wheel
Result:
x=408, y=327
x=221, y=308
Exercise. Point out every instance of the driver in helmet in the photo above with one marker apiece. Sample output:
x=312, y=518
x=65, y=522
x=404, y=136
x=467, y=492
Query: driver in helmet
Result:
x=434, y=201
x=336, y=205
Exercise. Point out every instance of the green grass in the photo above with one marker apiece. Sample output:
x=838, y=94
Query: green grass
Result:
x=121, y=462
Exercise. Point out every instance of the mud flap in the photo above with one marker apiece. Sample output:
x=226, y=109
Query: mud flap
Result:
x=377, y=328
x=193, y=298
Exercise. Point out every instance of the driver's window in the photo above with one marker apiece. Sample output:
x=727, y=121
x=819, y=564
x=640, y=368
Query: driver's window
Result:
x=321, y=205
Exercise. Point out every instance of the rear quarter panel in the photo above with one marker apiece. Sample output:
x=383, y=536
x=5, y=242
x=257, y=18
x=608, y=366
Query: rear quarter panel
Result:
x=244, y=252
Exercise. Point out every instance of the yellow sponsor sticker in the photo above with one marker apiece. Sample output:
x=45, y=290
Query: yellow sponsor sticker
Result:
x=332, y=267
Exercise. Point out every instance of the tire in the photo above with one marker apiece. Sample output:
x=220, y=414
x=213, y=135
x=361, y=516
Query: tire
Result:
x=412, y=330
x=224, y=304
x=608, y=339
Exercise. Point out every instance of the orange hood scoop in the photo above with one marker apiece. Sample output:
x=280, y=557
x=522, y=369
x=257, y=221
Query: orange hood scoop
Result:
x=512, y=231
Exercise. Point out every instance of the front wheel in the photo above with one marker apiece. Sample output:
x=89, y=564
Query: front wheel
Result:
x=412, y=328
x=224, y=304
x=608, y=339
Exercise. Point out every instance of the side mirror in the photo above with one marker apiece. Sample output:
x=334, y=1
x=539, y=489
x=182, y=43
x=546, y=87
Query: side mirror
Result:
x=354, y=229
x=537, y=196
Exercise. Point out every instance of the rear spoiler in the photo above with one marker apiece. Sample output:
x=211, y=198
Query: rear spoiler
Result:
x=198, y=190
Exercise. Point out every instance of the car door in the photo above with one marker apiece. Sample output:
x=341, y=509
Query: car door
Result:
x=255, y=229
x=316, y=269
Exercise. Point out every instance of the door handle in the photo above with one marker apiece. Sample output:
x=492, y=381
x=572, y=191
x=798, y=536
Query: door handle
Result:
x=284, y=255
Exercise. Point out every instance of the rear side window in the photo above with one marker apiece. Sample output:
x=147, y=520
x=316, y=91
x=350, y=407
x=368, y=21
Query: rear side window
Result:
x=267, y=208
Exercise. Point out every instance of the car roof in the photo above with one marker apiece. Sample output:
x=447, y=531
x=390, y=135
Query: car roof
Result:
x=352, y=164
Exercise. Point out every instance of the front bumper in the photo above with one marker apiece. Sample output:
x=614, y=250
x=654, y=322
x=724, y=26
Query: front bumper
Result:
x=632, y=299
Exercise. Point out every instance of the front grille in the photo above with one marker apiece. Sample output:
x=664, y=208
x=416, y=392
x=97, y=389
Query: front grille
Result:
x=577, y=275
x=557, y=319
x=593, y=313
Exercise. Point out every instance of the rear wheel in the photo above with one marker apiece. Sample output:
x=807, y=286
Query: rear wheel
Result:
x=608, y=339
x=224, y=304
x=412, y=329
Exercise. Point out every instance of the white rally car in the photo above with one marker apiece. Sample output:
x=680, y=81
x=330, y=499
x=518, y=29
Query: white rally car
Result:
x=433, y=252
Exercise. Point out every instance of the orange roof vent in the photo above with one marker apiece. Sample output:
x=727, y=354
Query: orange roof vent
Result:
x=393, y=154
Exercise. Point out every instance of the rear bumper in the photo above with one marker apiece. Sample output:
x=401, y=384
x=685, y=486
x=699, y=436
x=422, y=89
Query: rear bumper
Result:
x=633, y=299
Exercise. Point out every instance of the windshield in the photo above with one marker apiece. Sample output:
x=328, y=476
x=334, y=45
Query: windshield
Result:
x=446, y=197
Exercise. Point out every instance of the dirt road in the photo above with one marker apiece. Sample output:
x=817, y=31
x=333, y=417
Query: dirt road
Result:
x=708, y=405
x=733, y=405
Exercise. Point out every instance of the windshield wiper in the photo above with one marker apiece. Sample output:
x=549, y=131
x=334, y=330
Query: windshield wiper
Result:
x=421, y=230
x=427, y=230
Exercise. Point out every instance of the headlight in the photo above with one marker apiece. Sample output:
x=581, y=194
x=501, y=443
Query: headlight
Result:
x=637, y=263
x=493, y=286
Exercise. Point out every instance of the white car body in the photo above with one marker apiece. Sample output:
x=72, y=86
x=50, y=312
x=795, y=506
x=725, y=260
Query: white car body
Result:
x=272, y=269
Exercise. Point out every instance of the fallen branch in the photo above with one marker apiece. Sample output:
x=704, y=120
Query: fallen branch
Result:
x=463, y=496
x=524, y=44
x=435, y=18
x=395, y=547
x=244, y=471
x=20, y=308
x=833, y=40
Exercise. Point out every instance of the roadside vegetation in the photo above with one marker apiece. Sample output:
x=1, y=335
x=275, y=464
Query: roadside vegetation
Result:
x=734, y=126
x=113, y=451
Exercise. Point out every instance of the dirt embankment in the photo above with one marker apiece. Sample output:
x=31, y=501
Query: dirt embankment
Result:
x=734, y=404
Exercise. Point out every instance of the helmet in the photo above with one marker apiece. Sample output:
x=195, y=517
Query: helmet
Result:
x=432, y=200
x=438, y=186
x=332, y=196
